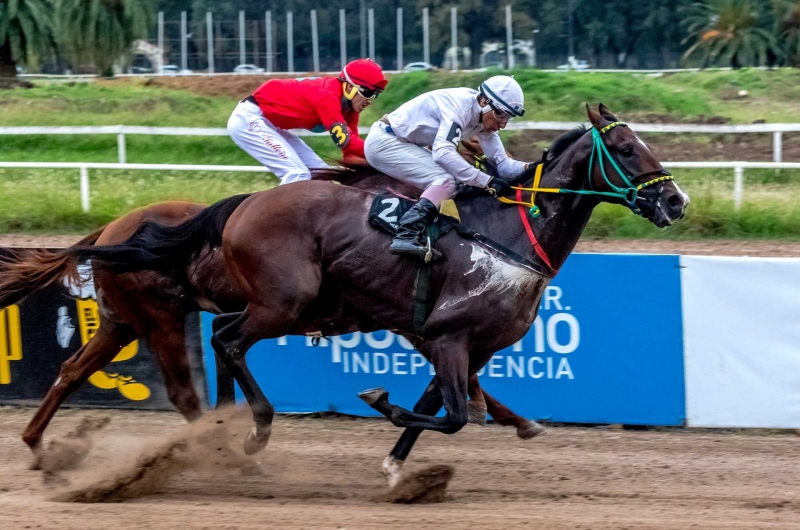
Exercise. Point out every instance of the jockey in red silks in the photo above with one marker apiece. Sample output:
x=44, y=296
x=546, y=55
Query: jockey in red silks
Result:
x=260, y=123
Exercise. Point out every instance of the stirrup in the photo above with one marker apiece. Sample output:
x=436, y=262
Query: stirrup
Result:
x=429, y=253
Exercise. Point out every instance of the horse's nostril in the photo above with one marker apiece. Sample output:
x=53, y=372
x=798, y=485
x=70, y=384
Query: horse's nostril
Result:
x=675, y=201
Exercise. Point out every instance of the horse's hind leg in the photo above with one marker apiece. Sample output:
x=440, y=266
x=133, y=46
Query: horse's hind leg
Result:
x=93, y=356
x=168, y=342
x=231, y=343
x=477, y=403
x=225, y=389
x=526, y=429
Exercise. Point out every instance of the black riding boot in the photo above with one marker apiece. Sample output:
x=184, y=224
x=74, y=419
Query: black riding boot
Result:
x=411, y=238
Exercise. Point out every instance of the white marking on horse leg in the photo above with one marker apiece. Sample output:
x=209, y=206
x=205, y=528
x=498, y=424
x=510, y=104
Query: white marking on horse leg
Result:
x=391, y=470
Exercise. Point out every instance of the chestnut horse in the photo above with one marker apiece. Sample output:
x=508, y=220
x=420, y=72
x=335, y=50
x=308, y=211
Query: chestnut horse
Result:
x=154, y=306
x=285, y=247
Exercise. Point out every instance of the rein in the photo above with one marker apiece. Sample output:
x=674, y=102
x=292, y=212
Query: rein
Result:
x=629, y=194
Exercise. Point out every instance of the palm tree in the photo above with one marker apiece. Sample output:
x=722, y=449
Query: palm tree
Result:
x=101, y=32
x=25, y=34
x=788, y=23
x=730, y=33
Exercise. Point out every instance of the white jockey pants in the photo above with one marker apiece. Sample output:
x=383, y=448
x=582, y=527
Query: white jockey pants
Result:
x=281, y=151
x=408, y=163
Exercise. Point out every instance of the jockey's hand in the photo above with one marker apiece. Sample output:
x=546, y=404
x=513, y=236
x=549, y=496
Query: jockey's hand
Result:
x=499, y=187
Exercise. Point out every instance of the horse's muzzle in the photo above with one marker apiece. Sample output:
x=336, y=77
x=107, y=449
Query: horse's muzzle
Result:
x=670, y=206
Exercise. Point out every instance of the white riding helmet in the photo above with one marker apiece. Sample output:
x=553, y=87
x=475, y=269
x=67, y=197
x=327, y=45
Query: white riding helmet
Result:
x=503, y=93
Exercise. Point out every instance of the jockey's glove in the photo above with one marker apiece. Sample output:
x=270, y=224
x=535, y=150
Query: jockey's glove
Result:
x=499, y=187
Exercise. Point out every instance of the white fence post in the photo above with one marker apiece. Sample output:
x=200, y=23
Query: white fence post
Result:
x=184, y=31
x=399, y=38
x=342, y=38
x=371, y=26
x=268, y=22
x=121, y=155
x=777, y=149
x=242, y=45
x=454, y=37
x=85, y=188
x=290, y=41
x=160, y=66
x=314, y=41
x=426, y=38
x=210, y=38
x=738, y=184
x=509, y=39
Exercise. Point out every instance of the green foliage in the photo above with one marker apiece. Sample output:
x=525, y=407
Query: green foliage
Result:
x=26, y=33
x=730, y=33
x=100, y=32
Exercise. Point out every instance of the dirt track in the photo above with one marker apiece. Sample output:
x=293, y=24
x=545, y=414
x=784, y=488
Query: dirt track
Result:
x=324, y=474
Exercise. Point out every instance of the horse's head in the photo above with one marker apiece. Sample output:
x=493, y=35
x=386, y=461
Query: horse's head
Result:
x=624, y=167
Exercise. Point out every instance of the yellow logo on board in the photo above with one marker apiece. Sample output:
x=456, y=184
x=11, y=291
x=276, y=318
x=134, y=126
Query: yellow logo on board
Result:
x=10, y=341
x=89, y=321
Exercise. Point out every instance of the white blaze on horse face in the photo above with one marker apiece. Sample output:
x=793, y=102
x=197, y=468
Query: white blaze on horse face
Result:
x=498, y=275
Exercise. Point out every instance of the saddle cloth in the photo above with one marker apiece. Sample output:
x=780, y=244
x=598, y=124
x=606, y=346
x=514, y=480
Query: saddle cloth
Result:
x=387, y=209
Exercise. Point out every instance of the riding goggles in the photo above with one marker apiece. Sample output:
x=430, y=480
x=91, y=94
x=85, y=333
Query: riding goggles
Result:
x=368, y=93
x=499, y=114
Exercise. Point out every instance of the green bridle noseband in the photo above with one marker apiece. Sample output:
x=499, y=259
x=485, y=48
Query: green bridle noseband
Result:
x=629, y=194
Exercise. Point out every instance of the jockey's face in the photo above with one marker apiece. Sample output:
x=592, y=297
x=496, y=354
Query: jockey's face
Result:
x=359, y=102
x=490, y=121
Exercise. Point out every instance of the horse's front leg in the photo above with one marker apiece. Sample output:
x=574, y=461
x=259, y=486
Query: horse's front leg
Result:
x=450, y=357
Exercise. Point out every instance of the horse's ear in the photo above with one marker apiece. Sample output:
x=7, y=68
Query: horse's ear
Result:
x=607, y=114
x=598, y=122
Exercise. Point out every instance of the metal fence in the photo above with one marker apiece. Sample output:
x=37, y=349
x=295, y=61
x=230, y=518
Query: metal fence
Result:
x=84, y=167
x=290, y=41
x=776, y=129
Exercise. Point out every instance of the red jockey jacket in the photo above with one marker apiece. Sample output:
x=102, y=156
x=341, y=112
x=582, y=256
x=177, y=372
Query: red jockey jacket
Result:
x=315, y=104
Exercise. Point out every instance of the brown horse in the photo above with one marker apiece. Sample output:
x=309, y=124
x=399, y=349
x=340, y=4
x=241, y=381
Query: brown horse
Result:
x=154, y=306
x=284, y=246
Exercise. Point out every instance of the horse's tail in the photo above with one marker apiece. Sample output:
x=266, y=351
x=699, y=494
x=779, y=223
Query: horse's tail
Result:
x=154, y=246
x=24, y=271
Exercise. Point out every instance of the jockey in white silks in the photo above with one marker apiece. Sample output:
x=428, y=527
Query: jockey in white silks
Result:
x=398, y=143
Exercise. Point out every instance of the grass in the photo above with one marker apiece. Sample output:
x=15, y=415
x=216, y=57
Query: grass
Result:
x=49, y=201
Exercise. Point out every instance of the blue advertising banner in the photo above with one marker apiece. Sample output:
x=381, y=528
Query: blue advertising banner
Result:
x=607, y=347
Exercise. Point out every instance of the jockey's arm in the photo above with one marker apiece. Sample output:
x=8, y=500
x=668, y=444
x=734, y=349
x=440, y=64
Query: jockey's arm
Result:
x=492, y=146
x=343, y=133
x=445, y=153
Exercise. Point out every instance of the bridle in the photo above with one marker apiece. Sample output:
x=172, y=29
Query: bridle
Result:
x=629, y=193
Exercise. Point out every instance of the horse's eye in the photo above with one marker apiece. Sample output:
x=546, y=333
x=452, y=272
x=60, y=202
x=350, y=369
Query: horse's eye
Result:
x=626, y=150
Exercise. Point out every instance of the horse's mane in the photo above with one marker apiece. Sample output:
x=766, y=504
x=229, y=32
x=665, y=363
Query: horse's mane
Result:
x=564, y=142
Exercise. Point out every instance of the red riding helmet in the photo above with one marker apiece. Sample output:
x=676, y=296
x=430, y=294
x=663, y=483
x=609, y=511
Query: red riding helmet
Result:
x=364, y=73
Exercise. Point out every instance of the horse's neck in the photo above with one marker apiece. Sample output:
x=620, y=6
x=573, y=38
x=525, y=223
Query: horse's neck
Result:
x=562, y=220
x=563, y=216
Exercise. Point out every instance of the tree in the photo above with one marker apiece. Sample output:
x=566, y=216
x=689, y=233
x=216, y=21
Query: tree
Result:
x=26, y=34
x=101, y=32
x=731, y=33
x=787, y=15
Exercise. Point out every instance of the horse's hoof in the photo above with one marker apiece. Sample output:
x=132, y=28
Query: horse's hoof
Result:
x=477, y=413
x=373, y=395
x=529, y=430
x=423, y=486
x=257, y=439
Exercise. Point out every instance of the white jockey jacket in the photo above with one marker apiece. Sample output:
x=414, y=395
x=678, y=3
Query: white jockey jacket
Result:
x=440, y=119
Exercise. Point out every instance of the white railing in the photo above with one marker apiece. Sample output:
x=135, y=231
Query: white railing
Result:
x=84, y=167
x=777, y=130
